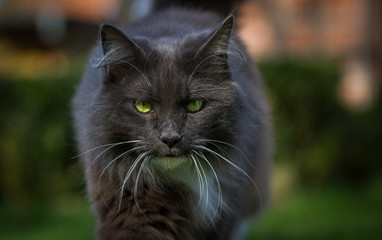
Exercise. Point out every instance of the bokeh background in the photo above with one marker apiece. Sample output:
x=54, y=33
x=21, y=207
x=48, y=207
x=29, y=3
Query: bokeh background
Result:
x=321, y=64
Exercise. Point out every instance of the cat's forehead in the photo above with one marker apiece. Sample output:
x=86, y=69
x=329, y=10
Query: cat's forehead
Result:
x=168, y=63
x=166, y=47
x=168, y=79
x=173, y=46
x=170, y=67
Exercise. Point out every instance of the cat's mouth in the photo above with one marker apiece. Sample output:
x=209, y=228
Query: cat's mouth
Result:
x=170, y=162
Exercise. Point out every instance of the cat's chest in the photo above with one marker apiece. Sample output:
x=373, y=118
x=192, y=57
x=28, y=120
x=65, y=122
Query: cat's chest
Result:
x=203, y=185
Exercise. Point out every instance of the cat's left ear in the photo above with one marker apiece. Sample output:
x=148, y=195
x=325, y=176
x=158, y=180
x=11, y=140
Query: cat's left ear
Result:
x=116, y=45
x=218, y=43
x=119, y=51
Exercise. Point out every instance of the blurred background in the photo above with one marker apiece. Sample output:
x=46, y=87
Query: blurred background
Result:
x=321, y=64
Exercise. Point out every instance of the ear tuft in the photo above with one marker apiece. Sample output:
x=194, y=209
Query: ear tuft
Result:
x=116, y=46
x=119, y=52
x=218, y=43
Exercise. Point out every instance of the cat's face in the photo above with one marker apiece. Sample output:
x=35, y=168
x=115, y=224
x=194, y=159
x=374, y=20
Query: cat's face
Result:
x=167, y=103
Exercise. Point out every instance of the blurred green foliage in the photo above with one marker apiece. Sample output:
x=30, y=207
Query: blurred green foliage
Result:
x=71, y=219
x=326, y=143
x=36, y=146
x=345, y=212
x=42, y=189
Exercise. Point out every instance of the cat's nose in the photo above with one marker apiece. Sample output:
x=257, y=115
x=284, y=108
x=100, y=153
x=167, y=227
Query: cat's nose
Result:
x=170, y=139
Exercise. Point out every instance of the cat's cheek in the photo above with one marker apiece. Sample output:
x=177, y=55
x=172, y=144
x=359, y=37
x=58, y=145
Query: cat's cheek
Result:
x=146, y=119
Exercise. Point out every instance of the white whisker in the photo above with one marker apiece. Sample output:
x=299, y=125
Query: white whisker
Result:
x=219, y=207
x=106, y=145
x=123, y=154
x=127, y=176
x=200, y=178
x=203, y=173
x=211, y=141
x=137, y=180
x=235, y=167
x=108, y=165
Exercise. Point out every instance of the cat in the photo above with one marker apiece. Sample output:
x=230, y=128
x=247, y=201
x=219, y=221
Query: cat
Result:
x=173, y=129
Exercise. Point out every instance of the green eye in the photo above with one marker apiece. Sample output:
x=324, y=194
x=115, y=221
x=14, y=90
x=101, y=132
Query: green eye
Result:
x=143, y=107
x=195, y=106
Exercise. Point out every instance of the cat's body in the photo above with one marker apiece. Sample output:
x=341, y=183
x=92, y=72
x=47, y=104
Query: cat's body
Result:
x=195, y=164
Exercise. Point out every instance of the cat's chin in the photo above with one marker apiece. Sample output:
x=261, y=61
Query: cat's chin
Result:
x=170, y=163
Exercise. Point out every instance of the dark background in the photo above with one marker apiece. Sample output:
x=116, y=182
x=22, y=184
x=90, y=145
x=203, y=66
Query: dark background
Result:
x=323, y=88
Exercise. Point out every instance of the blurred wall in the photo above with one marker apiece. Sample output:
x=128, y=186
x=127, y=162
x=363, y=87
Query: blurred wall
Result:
x=346, y=30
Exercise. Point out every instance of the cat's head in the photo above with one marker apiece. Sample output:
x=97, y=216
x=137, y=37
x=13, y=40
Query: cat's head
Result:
x=169, y=101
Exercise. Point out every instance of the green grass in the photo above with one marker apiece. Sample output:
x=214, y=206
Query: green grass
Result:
x=67, y=220
x=337, y=213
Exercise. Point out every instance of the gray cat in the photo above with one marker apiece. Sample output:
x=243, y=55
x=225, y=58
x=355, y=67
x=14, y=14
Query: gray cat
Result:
x=173, y=127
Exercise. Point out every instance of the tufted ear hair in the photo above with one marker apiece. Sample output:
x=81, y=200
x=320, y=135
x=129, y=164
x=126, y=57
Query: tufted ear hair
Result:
x=118, y=52
x=218, y=43
x=116, y=46
x=212, y=56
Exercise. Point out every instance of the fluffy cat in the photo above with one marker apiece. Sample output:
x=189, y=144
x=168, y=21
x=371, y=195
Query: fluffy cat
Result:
x=173, y=127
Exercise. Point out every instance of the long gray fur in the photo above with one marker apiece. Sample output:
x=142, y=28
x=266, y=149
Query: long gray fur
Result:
x=170, y=58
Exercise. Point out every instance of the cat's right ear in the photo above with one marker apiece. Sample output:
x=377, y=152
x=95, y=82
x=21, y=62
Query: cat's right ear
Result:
x=118, y=50
x=219, y=42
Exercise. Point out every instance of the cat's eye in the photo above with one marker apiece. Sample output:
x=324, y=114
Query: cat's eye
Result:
x=195, y=106
x=143, y=107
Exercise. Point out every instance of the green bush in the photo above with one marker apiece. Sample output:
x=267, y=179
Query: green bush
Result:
x=312, y=131
x=36, y=145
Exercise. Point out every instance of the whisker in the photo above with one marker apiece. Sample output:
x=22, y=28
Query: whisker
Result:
x=107, y=166
x=206, y=141
x=200, y=179
x=211, y=141
x=127, y=176
x=105, y=145
x=220, y=199
x=123, y=154
x=237, y=168
x=206, y=186
x=136, y=183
